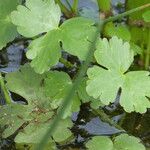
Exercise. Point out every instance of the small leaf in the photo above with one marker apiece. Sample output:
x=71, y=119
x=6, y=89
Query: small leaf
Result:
x=37, y=16
x=103, y=84
x=146, y=16
x=126, y=142
x=45, y=51
x=100, y=143
x=121, y=31
x=7, y=30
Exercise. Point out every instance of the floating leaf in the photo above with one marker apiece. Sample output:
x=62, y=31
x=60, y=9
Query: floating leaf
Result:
x=37, y=16
x=103, y=84
x=121, y=142
x=100, y=143
x=7, y=30
x=126, y=142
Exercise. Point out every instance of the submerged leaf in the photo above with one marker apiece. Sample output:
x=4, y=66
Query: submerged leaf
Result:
x=7, y=30
x=36, y=17
x=103, y=84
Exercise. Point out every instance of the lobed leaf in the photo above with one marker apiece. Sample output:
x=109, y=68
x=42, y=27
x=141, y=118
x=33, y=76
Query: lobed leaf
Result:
x=36, y=17
x=103, y=84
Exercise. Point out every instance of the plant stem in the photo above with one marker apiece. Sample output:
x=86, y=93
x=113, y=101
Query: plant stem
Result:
x=68, y=98
x=147, y=59
x=75, y=6
x=102, y=115
x=126, y=13
x=104, y=5
x=66, y=63
x=5, y=91
x=64, y=9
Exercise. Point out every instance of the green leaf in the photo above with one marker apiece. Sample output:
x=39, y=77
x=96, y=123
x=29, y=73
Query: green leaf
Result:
x=100, y=143
x=12, y=117
x=121, y=31
x=57, y=86
x=63, y=128
x=34, y=132
x=136, y=49
x=7, y=30
x=37, y=16
x=26, y=83
x=146, y=16
x=45, y=51
x=77, y=35
x=126, y=142
x=85, y=97
x=103, y=84
x=38, y=114
x=121, y=142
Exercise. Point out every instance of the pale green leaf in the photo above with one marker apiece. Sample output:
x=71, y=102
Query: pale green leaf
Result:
x=126, y=142
x=77, y=35
x=115, y=54
x=37, y=16
x=146, y=16
x=134, y=91
x=100, y=142
x=45, y=51
x=103, y=84
x=7, y=30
